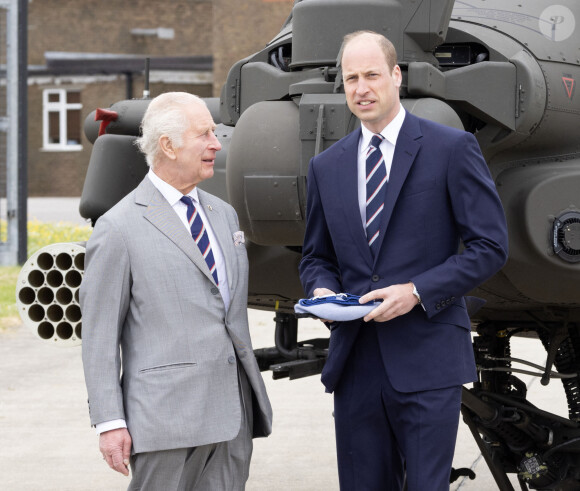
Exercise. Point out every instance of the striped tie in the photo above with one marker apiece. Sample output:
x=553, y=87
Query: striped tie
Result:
x=200, y=236
x=376, y=183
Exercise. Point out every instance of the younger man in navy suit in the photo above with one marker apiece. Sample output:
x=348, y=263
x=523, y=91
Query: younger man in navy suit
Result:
x=387, y=208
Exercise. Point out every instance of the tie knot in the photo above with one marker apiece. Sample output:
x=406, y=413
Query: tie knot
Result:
x=188, y=200
x=377, y=140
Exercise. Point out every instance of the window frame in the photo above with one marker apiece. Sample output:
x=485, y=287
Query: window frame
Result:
x=61, y=107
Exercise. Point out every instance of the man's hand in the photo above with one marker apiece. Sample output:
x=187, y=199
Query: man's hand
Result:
x=320, y=292
x=115, y=445
x=397, y=300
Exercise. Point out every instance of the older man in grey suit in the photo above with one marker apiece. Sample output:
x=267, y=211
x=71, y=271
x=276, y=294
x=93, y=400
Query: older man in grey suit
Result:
x=174, y=388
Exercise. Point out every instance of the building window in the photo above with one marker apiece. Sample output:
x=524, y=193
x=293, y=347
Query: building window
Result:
x=61, y=119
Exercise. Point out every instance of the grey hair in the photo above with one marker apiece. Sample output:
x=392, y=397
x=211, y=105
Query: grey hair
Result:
x=165, y=115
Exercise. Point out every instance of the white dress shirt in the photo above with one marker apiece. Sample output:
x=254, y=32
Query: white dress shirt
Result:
x=390, y=133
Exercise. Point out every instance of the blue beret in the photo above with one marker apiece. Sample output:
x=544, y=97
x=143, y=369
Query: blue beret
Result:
x=340, y=307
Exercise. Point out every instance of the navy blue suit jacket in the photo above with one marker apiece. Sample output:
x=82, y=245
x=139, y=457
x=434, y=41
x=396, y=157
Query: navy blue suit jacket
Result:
x=439, y=193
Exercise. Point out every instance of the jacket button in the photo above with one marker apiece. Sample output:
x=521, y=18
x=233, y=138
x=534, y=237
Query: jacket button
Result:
x=214, y=290
x=438, y=306
x=231, y=360
x=375, y=278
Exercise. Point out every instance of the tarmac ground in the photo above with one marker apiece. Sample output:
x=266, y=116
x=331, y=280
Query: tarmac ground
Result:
x=55, y=210
x=46, y=442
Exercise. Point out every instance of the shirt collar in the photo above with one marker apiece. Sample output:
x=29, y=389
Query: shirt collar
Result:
x=171, y=194
x=390, y=132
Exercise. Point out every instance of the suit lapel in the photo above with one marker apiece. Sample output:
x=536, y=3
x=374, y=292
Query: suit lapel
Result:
x=215, y=213
x=162, y=216
x=348, y=185
x=406, y=150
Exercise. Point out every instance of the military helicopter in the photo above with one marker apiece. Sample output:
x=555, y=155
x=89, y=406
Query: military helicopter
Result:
x=505, y=71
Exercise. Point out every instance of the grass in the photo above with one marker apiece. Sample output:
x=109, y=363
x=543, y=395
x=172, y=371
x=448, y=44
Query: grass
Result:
x=40, y=234
x=8, y=312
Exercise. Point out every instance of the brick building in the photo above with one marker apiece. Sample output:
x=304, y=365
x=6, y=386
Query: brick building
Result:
x=84, y=54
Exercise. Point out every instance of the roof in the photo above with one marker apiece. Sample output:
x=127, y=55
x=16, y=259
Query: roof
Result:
x=63, y=63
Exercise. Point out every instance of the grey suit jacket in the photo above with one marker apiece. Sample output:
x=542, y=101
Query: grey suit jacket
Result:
x=148, y=291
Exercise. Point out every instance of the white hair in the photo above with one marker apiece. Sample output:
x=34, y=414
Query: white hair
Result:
x=165, y=115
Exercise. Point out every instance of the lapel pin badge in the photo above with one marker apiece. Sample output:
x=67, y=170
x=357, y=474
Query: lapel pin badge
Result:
x=209, y=208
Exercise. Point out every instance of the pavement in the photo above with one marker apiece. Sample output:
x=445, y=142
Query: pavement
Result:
x=55, y=210
x=46, y=442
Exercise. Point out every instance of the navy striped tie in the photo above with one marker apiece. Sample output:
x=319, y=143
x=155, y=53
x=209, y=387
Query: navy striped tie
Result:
x=200, y=236
x=376, y=184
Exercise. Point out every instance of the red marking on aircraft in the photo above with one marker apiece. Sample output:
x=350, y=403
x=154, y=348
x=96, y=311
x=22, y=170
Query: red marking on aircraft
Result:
x=569, y=86
x=105, y=116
